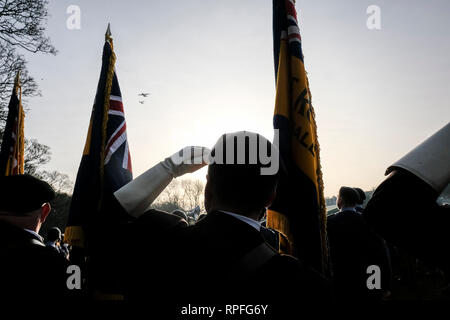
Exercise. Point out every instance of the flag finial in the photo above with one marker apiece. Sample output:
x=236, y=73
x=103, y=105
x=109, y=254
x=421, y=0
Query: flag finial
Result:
x=108, y=32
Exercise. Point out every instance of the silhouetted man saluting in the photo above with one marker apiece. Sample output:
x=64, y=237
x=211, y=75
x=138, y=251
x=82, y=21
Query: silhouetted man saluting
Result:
x=227, y=245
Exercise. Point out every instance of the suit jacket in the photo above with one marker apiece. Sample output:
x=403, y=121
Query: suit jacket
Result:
x=204, y=263
x=353, y=248
x=28, y=269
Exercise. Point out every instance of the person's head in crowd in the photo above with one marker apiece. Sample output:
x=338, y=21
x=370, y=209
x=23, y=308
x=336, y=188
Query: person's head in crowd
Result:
x=180, y=213
x=25, y=201
x=237, y=179
x=54, y=235
x=347, y=198
x=362, y=196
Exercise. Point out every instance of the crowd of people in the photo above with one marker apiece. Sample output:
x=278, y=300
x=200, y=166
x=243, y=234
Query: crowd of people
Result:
x=232, y=256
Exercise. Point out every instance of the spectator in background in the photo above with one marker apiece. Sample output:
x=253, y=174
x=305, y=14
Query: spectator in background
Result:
x=54, y=242
x=353, y=248
x=362, y=197
x=53, y=239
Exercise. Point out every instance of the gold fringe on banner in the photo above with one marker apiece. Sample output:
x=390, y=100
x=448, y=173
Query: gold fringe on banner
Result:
x=326, y=268
x=279, y=222
x=109, y=80
x=21, y=136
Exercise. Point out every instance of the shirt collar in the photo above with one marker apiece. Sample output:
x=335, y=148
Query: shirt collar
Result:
x=255, y=224
x=348, y=209
x=34, y=233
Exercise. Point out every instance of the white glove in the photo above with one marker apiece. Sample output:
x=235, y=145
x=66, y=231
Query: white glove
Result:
x=187, y=160
x=137, y=195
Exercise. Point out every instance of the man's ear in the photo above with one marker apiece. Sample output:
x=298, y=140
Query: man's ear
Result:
x=339, y=202
x=45, y=211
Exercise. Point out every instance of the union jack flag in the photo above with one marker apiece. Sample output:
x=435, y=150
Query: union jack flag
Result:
x=106, y=164
x=116, y=149
x=119, y=136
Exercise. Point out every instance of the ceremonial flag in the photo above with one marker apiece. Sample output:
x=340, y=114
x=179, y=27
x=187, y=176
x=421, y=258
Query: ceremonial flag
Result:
x=299, y=210
x=12, y=151
x=106, y=164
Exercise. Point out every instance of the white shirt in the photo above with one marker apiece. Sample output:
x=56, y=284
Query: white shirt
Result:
x=255, y=224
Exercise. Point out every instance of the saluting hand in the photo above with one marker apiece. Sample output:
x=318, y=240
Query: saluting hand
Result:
x=187, y=160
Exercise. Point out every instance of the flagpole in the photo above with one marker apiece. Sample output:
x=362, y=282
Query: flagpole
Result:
x=17, y=81
x=20, y=152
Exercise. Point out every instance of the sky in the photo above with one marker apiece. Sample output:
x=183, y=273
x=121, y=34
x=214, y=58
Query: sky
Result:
x=208, y=66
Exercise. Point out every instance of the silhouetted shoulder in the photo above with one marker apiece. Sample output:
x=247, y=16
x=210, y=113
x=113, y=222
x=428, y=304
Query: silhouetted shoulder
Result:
x=346, y=219
x=291, y=275
x=28, y=268
x=160, y=219
x=151, y=254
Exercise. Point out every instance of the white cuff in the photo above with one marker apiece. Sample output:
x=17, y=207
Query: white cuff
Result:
x=430, y=160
